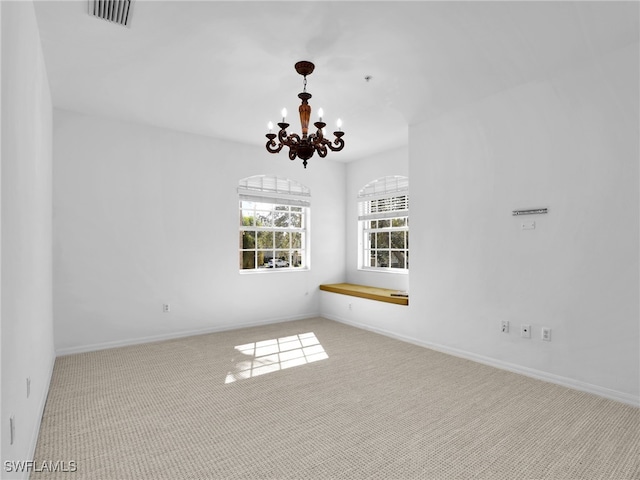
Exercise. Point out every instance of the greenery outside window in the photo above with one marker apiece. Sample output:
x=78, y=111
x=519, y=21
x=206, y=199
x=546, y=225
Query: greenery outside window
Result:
x=384, y=224
x=274, y=218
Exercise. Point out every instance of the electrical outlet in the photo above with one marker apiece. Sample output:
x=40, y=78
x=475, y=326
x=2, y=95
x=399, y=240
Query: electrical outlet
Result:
x=350, y=307
x=166, y=308
x=504, y=326
x=546, y=334
x=525, y=331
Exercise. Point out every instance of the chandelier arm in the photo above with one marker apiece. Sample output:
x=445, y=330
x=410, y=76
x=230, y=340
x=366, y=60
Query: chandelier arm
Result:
x=339, y=142
x=322, y=151
x=293, y=152
x=315, y=140
x=292, y=140
x=282, y=135
x=325, y=141
x=270, y=147
x=319, y=134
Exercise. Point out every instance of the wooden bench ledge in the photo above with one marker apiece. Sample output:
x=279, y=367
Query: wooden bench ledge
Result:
x=363, y=291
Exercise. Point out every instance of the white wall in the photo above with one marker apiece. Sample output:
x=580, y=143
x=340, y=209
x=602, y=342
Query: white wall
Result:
x=26, y=294
x=360, y=173
x=569, y=143
x=385, y=318
x=146, y=216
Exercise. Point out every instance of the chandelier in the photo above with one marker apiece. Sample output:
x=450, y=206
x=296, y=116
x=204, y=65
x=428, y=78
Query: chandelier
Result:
x=304, y=147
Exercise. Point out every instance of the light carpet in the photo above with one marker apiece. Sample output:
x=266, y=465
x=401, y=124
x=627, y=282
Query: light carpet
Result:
x=316, y=399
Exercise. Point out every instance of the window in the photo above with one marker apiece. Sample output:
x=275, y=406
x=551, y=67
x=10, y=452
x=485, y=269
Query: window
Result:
x=384, y=224
x=274, y=219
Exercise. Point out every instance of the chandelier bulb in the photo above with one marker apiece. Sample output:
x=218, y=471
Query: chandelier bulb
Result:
x=320, y=114
x=339, y=124
x=284, y=114
x=270, y=127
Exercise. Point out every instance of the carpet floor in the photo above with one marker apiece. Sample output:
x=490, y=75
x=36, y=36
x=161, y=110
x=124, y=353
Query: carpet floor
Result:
x=316, y=399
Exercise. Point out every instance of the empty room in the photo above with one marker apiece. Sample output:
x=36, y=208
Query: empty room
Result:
x=319, y=239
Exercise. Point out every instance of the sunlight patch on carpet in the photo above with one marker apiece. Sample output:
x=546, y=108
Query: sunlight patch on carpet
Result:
x=267, y=356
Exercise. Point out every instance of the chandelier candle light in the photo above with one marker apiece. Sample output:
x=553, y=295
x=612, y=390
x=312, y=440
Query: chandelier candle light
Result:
x=304, y=147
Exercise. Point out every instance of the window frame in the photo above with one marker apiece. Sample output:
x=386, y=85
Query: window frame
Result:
x=273, y=197
x=380, y=203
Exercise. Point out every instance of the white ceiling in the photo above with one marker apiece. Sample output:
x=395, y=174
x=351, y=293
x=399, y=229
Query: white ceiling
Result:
x=224, y=69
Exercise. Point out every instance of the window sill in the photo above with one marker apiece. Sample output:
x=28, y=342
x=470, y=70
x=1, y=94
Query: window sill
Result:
x=266, y=271
x=363, y=291
x=384, y=270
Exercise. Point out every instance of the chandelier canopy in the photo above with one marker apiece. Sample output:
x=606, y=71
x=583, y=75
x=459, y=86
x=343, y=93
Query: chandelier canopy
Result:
x=306, y=145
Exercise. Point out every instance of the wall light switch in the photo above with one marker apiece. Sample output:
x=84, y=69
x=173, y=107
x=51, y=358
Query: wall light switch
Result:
x=528, y=225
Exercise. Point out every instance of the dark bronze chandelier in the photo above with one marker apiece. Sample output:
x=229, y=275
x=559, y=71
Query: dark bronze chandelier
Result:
x=304, y=147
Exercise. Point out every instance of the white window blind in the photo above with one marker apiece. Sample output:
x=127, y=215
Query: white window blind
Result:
x=271, y=189
x=386, y=197
x=385, y=186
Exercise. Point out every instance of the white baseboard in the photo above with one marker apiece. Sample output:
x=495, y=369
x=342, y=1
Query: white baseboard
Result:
x=33, y=443
x=492, y=362
x=173, y=335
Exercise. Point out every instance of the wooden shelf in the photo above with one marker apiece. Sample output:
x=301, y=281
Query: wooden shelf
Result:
x=363, y=291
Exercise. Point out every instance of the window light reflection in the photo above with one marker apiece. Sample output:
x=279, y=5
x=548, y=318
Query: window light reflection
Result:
x=266, y=356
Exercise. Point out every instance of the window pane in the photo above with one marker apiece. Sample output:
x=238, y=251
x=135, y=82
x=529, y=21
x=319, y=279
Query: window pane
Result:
x=267, y=255
x=264, y=219
x=383, y=259
x=281, y=219
x=284, y=255
x=296, y=258
x=371, y=256
x=248, y=239
x=384, y=223
x=296, y=220
x=261, y=259
x=372, y=240
x=374, y=224
x=247, y=260
x=247, y=214
x=382, y=240
x=399, y=222
x=397, y=259
x=283, y=239
x=296, y=240
x=265, y=239
x=397, y=240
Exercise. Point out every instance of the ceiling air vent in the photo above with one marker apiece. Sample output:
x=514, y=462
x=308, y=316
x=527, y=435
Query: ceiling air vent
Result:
x=116, y=11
